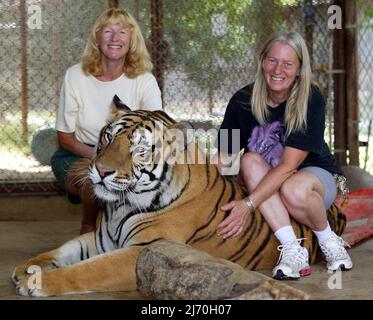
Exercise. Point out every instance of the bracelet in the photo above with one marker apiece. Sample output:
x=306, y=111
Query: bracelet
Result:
x=250, y=204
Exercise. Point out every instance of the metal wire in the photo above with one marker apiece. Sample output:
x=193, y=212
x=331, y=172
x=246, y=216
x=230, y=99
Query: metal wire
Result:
x=203, y=52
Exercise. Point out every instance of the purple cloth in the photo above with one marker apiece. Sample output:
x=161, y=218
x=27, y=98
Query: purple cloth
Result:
x=268, y=141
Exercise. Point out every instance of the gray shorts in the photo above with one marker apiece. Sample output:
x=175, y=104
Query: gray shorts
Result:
x=328, y=181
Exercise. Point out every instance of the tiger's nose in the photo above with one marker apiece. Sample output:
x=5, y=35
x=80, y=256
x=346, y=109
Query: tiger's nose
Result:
x=104, y=172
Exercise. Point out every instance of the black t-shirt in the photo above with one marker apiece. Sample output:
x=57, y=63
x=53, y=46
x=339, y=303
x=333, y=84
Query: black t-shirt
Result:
x=253, y=137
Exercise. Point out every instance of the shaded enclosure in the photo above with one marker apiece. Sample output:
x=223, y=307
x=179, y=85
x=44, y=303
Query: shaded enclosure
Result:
x=203, y=51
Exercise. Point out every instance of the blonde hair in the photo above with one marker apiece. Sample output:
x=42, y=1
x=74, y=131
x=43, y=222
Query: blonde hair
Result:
x=296, y=105
x=137, y=59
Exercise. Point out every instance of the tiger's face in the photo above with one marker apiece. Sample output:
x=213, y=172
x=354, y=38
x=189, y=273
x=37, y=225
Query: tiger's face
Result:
x=126, y=157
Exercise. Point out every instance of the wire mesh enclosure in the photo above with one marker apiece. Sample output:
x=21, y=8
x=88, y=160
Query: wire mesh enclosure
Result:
x=203, y=51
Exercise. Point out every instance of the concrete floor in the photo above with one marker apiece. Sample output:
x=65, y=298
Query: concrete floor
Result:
x=30, y=225
x=20, y=240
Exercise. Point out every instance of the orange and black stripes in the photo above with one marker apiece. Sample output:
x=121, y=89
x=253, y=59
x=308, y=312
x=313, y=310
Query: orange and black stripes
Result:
x=190, y=210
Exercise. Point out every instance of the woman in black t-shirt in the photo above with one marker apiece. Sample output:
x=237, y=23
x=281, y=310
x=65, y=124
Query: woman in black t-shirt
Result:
x=287, y=166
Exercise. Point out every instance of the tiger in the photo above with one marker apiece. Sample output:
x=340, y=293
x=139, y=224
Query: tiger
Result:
x=147, y=198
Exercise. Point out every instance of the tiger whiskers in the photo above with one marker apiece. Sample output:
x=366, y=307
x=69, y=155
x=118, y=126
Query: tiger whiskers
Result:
x=132, y=201
x=139, y=206
x=156, y=207
x=98, y=200
x=125, y=196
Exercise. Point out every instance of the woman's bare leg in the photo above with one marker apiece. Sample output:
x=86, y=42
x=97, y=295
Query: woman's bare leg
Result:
x=79, y=184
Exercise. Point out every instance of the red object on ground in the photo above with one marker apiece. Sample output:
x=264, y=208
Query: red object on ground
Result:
x=359, y=213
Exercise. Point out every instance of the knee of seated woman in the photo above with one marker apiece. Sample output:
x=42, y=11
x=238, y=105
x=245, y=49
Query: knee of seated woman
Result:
x=251, y=161
x=72, y=186
x=75, y=181
x=296, y=193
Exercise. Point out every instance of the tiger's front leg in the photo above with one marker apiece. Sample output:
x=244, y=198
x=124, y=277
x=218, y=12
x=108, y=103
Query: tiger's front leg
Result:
x=71, y=252
x=112, y=271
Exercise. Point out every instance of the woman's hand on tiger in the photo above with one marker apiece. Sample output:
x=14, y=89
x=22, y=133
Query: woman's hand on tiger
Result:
x=233, y=225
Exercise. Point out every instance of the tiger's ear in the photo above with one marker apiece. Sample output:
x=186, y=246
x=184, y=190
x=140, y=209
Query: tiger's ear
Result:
x=119, y=105
x=118, y=109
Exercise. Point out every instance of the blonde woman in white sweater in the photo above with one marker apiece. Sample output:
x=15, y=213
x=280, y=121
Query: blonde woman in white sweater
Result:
x=115, y=62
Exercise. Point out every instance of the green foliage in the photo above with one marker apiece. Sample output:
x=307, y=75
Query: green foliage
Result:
x=198, y=44
x=206, y=36
x=365, y=9
x=10, y=137
x=290, y=2
x=11, y=130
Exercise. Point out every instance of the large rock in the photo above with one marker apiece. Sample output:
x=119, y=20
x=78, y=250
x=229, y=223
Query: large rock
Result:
x=170, y=270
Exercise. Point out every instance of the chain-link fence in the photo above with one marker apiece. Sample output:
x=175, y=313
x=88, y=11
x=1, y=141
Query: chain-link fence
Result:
x=40, y=39
x=203, y=52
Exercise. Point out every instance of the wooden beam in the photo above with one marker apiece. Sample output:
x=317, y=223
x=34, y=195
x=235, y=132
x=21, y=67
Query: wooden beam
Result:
x=309, y=18
x=136, y=10
x=158, y=47
x=56, y=50
x=24, y=73
x=340, y=113
x=113, y=3
x=351, y=48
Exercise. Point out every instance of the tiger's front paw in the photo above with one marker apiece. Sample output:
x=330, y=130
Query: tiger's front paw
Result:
x=30, y=285
x=32, y=266
x=23, y=270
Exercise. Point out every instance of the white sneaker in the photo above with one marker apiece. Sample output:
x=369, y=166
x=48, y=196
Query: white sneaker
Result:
x=335, y=253
x=294, y=261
